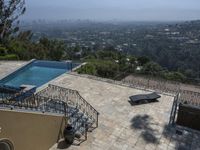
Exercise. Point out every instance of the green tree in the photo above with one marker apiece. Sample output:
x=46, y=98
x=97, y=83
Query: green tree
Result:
x=152, y=68
x=102, y=68
x=10, y=11
x=142, y=60
x=176, y=76
x=132, y=60
x=3, y=50
x=89, y=68
x=54, y=48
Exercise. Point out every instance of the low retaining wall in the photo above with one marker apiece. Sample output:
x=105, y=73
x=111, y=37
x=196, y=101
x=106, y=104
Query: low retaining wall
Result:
x=30, y=131
x=188, y=116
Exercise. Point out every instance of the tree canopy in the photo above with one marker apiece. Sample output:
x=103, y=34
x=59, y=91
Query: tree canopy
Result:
x=10, y=11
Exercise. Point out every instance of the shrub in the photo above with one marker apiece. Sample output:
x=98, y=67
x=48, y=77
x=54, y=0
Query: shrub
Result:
x=9, y=57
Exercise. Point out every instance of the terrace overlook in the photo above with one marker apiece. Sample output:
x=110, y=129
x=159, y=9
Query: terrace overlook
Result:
x=122, y=126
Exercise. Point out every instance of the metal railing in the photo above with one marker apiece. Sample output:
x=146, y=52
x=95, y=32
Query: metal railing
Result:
x=170, y=88
x=46, y=105
x=162, y=86
x=190, y=98
x=71, y=98
x=59, y=100
x=174, y=110
x=62, y=100
x=7, y=93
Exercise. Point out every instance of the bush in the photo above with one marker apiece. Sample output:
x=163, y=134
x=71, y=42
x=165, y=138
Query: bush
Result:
x=3, y=50
x=152, y=68
x=142, y=60
x=175, y=76
x=89, y=68
x=9, y=57
x=102, y=68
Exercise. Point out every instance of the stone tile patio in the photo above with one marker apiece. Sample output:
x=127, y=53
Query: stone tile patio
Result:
x=126, y=127
x=122, y=126
x=8, y=66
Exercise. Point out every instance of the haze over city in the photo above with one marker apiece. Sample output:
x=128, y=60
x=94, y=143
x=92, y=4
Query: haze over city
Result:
x=122, y=10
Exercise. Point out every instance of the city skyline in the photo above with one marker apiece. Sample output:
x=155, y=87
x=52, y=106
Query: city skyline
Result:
x=127, y=10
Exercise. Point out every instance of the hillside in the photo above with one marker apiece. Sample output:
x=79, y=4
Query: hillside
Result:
x=174, y=45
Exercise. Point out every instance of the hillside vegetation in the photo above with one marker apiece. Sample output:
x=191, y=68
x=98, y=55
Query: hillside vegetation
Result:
x=110, y=50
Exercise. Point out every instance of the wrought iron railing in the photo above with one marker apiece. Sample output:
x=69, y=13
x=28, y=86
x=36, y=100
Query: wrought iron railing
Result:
x=162, y=86
x=174, y=110
x=71, y=98
x=22, y=103
x=7, y=93
x=46, y=105
x=190, y=98
x=55, y=99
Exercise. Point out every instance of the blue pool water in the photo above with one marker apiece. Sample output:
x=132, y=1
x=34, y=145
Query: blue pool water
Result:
x=36, y=73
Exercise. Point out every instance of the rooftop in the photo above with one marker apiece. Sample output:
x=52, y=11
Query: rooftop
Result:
x=122, y=126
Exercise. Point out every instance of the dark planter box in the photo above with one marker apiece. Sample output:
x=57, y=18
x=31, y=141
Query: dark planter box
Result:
x=188, y=116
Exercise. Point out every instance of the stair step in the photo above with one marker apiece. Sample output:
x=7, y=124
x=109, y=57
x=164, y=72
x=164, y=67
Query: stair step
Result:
x=80, y=126
x=73, y=120
x=71, y=111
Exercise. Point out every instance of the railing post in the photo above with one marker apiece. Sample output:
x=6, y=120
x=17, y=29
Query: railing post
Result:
x=43, y=105
x=148, y=83
x=97, y=121
x=174, y=110
x=65, y=111
x=86, y=131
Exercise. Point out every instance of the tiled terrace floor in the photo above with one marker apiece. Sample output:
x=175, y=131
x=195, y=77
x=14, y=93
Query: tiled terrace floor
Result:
x=8, y=66
x=122, y=126
x=126, y=127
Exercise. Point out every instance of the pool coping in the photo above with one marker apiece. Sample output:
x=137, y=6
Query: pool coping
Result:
x=58, y=77
x=46, y=84
x=10, y=73
x=16, y=69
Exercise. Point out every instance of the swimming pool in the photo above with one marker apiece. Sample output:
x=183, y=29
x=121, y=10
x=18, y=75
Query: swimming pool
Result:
x=37, y=73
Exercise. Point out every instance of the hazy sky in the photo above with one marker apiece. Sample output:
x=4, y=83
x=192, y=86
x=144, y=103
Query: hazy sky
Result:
x=126, y=10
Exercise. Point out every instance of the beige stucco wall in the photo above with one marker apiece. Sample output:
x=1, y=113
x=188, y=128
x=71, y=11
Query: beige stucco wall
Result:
x=30, y=131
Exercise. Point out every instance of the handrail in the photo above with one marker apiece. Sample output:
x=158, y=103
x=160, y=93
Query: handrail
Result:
x=7, y=92
x=80, y=98
x=69, y=95
x=165, y=87
x=47, y=105
x=75, y=91
x=190, y=97
x=174, y=110
x=86, y=102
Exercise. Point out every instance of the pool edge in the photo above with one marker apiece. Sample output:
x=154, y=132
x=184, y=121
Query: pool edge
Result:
x=16, y=69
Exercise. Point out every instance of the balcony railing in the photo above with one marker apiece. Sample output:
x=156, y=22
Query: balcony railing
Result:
x=150, y=84
x=174, y=110
x=190, y=98
x=7, y=92
x=71, y=98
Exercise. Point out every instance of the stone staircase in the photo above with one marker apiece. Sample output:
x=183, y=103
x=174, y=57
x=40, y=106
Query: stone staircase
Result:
x=61, y=101
x=80, y=114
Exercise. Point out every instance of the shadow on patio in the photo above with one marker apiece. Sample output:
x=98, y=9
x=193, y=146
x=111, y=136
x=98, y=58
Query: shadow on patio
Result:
x=182, y=139
x=146, y=124
x=63, y=145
